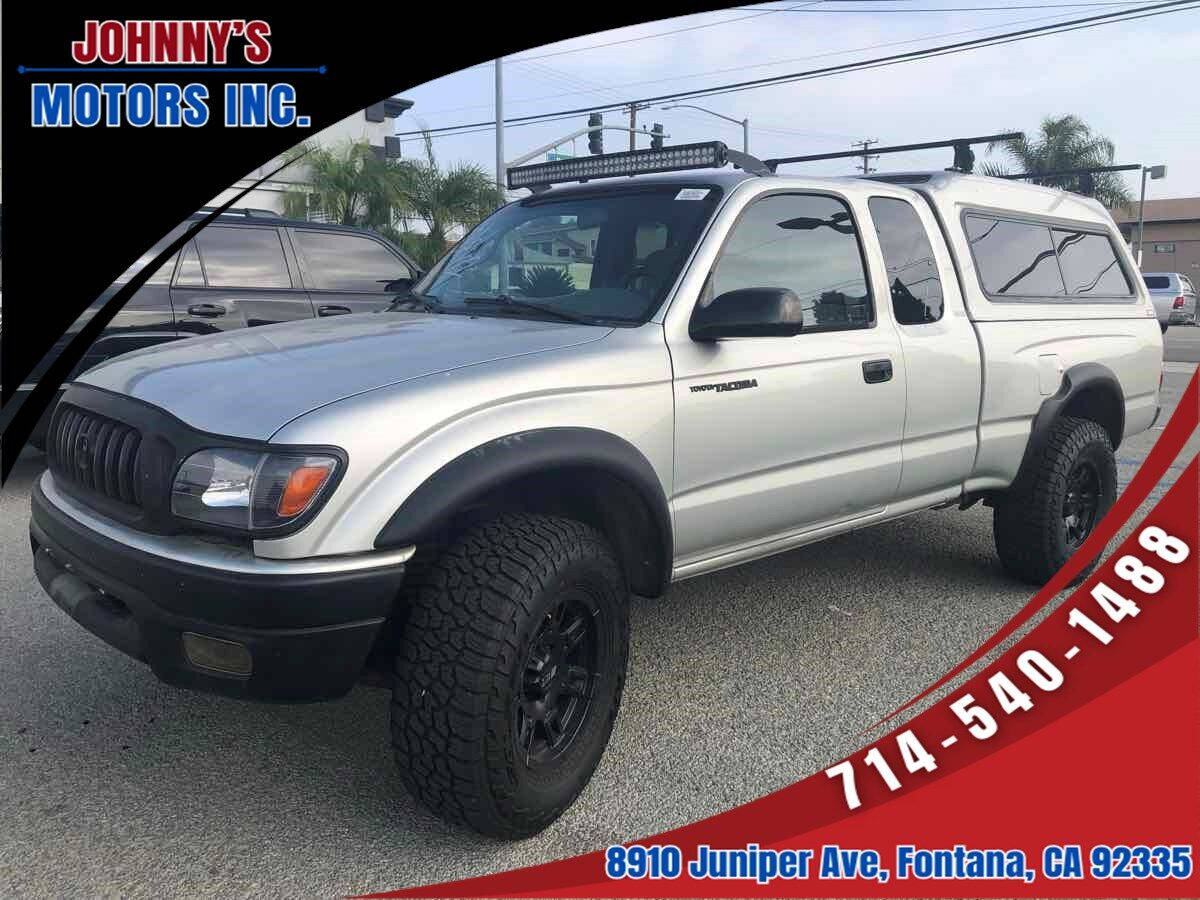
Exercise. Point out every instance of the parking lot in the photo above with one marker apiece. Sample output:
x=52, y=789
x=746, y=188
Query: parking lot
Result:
x=112, y=784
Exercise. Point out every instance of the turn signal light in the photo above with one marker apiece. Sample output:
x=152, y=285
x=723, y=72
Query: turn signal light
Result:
x=302, y=485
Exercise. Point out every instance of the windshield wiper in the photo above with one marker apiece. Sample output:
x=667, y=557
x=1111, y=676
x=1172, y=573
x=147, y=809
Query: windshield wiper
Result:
x=515, y=303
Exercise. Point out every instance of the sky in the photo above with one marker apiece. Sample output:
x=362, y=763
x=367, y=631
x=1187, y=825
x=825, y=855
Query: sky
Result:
x=1134, y=82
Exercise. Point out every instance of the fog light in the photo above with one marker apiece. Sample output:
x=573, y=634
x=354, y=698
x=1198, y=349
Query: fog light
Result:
x=216, y=654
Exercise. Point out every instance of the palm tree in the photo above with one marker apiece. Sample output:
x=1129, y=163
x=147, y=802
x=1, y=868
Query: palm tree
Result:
x=545, y=281
x=1065, y=142
x=438, y=200
x=351, y=185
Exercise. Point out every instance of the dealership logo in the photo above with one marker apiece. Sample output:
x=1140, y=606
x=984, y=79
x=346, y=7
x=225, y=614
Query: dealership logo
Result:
x=87, y=96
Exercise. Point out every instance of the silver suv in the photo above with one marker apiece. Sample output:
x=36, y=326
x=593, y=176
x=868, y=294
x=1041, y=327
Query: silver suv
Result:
x=604, y=388
x=1174, y=298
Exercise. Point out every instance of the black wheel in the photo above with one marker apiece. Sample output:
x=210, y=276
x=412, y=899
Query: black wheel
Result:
x=1163, y=327
x=510, y=673
x=1040, y=522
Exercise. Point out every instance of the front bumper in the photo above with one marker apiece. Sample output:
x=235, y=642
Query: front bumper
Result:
x=308, y=633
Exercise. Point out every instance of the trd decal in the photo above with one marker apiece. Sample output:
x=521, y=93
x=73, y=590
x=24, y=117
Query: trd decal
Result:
x=726, y=386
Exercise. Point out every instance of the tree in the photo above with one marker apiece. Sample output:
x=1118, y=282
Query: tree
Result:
x=546, y=281
x=1065, y=142
x=351, y=185
x=438, y=200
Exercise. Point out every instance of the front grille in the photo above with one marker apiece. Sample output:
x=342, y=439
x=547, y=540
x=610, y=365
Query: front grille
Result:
x=96, y=453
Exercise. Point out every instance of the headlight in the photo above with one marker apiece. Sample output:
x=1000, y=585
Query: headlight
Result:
x=248, y=490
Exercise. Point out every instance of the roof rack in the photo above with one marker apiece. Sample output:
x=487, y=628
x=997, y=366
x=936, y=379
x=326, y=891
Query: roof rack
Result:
x=1086, y=178
x=1065, y=173
x=248, y=212
x=713, y=155
x=964, y=156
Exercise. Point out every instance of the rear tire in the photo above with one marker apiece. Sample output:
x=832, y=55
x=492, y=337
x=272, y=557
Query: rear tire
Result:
x=1163, y=327
x=510, y=673
x=1044, y=518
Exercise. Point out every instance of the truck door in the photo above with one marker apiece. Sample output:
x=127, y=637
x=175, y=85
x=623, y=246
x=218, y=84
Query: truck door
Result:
x=941, y=353
x=775, y=436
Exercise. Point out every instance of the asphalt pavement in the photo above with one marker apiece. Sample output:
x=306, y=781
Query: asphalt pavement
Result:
x=112, y=784
x=1181, y=344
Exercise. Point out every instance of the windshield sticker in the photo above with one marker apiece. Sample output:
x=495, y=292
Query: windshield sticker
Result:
x=692, y=194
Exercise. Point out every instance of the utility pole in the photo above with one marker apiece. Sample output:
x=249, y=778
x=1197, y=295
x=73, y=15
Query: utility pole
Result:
x=633, y=111
x=1155, y=172
x=501, y=178
x=866, y=157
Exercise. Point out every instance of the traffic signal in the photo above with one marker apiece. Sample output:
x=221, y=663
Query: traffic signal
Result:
x=596, y=135
x=656, y=136
x=964, y=158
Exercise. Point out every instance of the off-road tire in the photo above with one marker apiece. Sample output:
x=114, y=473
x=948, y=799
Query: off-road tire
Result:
x=472, y=619
x=1027, y=520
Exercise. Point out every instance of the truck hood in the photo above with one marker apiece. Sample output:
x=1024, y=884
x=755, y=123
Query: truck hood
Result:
x=251, y=382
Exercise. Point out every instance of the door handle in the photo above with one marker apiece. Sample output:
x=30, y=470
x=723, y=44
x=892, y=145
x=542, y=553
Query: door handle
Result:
x=333, y=310
x=206, y=310
x=877, y=370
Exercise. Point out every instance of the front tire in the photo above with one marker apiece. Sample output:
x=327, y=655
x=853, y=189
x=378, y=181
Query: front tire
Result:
x=510, y=673
x=1041, y=521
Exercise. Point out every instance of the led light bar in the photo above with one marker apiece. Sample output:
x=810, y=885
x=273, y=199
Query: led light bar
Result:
x=708, y=155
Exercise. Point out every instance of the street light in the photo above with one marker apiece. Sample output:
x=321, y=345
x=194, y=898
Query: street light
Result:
x=1155, y=172
x=745, y=123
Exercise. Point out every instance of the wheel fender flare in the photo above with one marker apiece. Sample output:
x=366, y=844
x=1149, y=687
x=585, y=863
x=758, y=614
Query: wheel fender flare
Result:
x=1078, y=381
x=505, y=459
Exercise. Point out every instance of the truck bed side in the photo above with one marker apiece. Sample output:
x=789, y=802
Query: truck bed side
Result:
x=1028, y=346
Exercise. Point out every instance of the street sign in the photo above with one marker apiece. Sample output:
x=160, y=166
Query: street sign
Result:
x=555, y=155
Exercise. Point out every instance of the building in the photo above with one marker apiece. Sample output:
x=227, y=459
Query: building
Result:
x=1172, y=239
x=376, y=125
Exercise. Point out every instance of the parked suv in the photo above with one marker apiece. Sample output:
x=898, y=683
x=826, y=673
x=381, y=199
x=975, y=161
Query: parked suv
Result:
x=248, y=267
x=464, y=491
x=1174, y=298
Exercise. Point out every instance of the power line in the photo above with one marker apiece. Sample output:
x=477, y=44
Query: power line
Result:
x=910, y=9
x=647, y=37
x=763, y=12
x=1006, y=38
x=910, y=56
x=762, y=65
x=802, y=8
x=998, y=40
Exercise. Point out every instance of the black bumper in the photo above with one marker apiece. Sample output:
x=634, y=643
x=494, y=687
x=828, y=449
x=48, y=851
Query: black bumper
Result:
x=308, y=635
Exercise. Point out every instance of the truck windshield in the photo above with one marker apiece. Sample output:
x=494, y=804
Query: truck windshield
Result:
x=602, y=258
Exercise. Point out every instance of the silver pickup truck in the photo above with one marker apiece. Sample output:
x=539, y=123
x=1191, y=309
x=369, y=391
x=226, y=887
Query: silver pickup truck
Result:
x=604, y=388
x=1173, y=296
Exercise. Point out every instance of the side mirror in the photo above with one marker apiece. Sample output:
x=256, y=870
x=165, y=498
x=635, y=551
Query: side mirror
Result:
x=748, y=312
x=398, y=285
